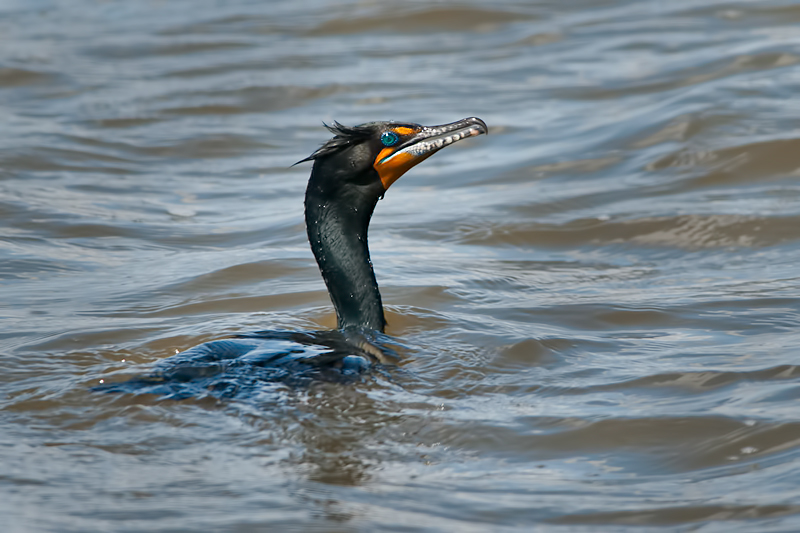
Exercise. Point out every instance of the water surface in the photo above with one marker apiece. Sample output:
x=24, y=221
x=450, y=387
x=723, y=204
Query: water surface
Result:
x=597, y=306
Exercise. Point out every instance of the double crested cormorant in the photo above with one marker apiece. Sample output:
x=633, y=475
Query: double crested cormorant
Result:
x=351, y=172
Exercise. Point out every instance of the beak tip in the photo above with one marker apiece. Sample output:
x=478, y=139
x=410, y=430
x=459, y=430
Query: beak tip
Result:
x=481, y=124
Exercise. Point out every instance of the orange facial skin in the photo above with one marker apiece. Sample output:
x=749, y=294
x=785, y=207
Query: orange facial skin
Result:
x=402, y=130
x=391, y=170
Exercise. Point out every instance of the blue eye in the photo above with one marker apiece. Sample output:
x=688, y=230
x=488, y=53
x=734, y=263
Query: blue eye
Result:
x=389, y=138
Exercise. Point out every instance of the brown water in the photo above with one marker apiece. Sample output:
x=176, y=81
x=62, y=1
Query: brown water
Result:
x=598, y=304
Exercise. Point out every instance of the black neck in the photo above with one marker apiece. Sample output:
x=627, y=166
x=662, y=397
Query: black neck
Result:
x=337, y=223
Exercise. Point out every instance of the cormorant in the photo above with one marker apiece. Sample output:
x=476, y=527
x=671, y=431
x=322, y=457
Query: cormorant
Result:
x=351, y=172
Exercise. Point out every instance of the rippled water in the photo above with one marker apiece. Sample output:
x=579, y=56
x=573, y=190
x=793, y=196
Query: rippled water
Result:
x=597, y=305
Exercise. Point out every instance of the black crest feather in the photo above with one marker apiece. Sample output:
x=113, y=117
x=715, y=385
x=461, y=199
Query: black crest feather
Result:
x=344, y=136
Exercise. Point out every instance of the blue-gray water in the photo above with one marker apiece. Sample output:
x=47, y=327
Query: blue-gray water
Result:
x=597, y=305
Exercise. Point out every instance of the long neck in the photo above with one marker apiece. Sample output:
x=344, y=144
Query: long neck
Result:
x=337, y=230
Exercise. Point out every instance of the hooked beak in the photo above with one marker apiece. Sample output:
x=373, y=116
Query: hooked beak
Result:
x=395, y=161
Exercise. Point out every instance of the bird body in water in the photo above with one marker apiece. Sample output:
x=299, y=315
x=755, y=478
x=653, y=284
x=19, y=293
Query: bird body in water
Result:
x=350, y=173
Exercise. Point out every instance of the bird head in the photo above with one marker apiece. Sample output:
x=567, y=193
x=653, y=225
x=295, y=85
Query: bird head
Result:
x=374, y=155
